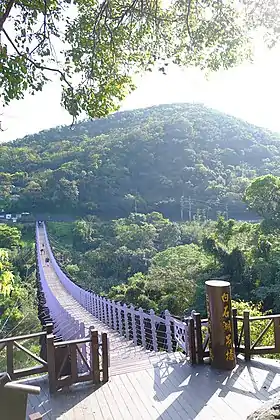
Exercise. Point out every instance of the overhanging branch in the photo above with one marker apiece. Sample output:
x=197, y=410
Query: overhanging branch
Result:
x=6, y=13
x=36, y=64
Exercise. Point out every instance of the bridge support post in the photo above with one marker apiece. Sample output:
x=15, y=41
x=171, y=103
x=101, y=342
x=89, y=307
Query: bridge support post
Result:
x=220, y=325
x=51, y=360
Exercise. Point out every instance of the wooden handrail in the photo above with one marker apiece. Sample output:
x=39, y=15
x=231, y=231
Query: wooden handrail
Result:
x=260, y=318
x=22, y=337
x=78, y=341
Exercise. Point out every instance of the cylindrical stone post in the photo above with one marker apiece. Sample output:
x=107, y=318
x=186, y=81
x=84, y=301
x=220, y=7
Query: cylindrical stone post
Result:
x=221, y=343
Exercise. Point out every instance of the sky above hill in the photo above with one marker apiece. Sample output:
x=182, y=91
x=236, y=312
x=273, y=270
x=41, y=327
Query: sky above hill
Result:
x=250, y=92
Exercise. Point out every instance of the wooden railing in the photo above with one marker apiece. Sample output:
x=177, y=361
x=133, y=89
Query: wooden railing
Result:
x=242, y=331
x=87, y=359
x=262, y=345
x=13, y=344
x=66, y=362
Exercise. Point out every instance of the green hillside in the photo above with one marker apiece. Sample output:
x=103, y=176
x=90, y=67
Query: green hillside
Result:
x=166, y=158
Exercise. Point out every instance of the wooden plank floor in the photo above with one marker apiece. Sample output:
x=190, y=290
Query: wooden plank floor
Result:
x=167, y=391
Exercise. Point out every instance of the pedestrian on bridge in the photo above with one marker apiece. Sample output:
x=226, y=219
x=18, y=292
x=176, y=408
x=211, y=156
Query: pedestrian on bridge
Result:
x=47, y=260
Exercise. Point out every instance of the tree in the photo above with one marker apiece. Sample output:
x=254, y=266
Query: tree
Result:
x=104, y=43
x=6, y=276
x=9, y=236
x=263, y=196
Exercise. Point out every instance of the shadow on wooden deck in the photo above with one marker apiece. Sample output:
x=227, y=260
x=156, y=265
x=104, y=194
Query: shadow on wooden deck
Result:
x=167, y=391
x=205, y=393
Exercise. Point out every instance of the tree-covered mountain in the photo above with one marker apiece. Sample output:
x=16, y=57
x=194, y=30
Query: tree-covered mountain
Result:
x=176, y=159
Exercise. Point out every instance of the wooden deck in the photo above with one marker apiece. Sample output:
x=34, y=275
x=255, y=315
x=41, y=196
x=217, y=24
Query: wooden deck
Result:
x=167, y=391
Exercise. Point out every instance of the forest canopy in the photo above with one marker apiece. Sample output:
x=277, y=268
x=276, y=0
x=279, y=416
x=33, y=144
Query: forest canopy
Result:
x=96, y=47
x=150, y=262
x=182, y=160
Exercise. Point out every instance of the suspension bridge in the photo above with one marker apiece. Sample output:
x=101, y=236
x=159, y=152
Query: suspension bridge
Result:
x=148, y=376
x=75, y=311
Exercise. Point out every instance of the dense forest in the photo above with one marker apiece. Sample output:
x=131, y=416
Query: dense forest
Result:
x=147, y=260
x=18, y=303
x=180, y=160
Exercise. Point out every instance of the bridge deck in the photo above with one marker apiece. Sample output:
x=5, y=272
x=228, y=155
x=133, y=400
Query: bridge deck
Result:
x=167, y=392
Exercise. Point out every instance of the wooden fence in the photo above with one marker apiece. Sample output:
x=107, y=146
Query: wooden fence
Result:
x=197, y=336
x=66, y=362
x=243, y=327
x=13, y=344
x=262, y=325
x=87, y=358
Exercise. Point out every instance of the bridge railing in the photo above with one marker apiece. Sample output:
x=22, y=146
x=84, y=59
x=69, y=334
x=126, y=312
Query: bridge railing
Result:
x=66, y=326
x=143, y=328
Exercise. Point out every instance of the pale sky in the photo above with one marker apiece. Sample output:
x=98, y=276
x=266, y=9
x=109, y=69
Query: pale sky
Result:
x=250, y=92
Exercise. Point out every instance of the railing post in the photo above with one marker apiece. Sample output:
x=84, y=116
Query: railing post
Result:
x=83, y=334
x=110, y=323
x=168, y=330
x=235, y=330
x=133, y=324
x=191, y=341
x=119, y=309
x=115, y=324
x=105, y=311
x=142, y=327
x=199, y=348
x=105, y=358
x=95, y=356
x=86, y=301
x=277, y=333
x=92, y=303
x=10, y=358
x=100, y=308
x=247, y=338
x=95, y=306
x=125, y=310
x=51, y=363
x=101, y=304
x=153, y=328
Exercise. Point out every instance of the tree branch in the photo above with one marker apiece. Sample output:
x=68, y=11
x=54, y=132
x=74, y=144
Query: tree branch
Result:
x=44, y=30
x=6, y=13
x=37, y=65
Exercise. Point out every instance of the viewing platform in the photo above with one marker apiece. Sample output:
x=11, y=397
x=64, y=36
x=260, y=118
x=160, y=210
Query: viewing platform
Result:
x=166, y=391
